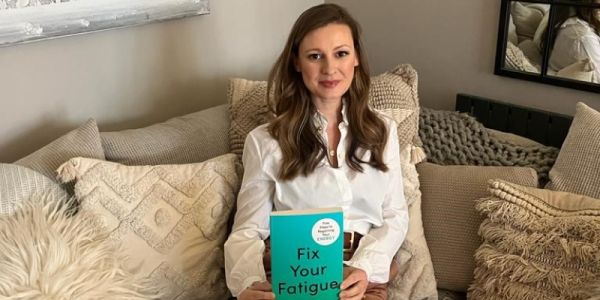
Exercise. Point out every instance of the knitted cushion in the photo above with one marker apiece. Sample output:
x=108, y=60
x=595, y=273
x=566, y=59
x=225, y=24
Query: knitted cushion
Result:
x=394, y=93
x=537, y=244
x=516, y=60
x=170, y=219
x=81, y=142
x=190, y=138
x=18, y=184
x=577, y=167
x=452, y=138
x=450, y=219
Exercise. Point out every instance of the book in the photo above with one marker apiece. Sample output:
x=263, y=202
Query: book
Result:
x=307, y=253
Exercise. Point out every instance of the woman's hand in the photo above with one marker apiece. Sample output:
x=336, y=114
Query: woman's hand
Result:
x=354, y=284
x=257, y=291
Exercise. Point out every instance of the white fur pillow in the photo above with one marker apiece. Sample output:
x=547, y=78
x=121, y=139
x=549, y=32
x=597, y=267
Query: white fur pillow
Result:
x=171, y=220
x=45, y=253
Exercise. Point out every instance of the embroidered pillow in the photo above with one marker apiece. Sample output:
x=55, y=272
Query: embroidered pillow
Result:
x=537, y=244
x=171, y=220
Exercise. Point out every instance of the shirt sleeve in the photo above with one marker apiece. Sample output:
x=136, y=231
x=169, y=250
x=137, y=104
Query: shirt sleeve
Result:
x=245, y=245
x=377, y=249
x=590, y=44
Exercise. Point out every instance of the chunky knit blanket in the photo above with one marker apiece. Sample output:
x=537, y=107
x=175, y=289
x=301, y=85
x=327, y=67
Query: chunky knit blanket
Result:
x=453, y=138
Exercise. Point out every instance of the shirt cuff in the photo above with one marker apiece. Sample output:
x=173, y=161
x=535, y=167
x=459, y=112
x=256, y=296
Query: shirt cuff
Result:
x=375, y=264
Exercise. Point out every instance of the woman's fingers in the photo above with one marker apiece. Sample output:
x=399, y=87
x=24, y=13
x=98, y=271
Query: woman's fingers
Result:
x=258, y=291
x=355, y=284
x=264, y=286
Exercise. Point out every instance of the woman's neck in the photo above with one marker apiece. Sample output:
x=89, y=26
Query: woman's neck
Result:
x=331, y=110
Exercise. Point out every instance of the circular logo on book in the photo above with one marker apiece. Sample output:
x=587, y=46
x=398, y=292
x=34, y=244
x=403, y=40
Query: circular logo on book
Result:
x=325, y=231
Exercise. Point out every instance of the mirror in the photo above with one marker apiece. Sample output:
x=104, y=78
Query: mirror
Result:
x=550, y=41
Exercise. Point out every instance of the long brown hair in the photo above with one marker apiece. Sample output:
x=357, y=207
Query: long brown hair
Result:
x=302, y=148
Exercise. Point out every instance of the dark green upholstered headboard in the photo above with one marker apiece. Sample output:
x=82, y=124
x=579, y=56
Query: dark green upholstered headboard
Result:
x=545, y=127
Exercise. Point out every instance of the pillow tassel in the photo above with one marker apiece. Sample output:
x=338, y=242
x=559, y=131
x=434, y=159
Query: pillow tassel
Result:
x=417, y=155
x=67, y=172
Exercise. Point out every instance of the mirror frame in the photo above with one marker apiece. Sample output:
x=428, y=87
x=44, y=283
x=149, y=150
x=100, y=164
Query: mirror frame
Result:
x=499, y=68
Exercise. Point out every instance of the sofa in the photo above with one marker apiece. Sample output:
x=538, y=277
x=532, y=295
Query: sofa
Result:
x=143, y=213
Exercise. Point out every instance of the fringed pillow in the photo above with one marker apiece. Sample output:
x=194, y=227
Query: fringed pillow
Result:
x=537, y=244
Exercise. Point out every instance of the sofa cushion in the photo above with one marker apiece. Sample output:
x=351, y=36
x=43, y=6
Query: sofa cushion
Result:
x=19, y=184
x=46, y=252
x=578, y=163
x=81, y=142
x=537, y=244
x=171, y=220
x=450, y=219
x=394, y=93
x=190, y=138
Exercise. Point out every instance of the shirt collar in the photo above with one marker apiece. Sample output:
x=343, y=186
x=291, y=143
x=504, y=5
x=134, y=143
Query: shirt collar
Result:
x=574, y=21
x=320, y=120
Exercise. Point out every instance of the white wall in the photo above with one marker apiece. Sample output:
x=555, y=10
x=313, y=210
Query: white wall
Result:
x=452, y=46
x=136, y=76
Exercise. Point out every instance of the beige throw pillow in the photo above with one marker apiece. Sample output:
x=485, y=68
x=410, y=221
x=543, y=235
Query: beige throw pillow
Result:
x=171, y=220
x=450, y=219
x=537, y=244
x=83, y=141
x=184, y=139
x=394, y=93
x=577, y=167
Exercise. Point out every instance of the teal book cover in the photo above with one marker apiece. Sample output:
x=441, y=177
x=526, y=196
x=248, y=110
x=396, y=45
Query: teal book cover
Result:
x=307, y=253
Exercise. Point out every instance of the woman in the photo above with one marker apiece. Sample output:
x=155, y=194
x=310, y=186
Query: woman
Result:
x=577, y=38
x=323, y=141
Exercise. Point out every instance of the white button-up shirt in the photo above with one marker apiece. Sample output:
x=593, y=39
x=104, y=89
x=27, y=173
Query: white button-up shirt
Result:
x=576, y=41
x=373, y=203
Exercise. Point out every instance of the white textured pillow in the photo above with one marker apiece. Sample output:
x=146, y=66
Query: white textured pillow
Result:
x=170, y=219
x=18, y=184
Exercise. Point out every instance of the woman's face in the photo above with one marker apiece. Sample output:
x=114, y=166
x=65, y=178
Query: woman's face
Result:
x=326, y=59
